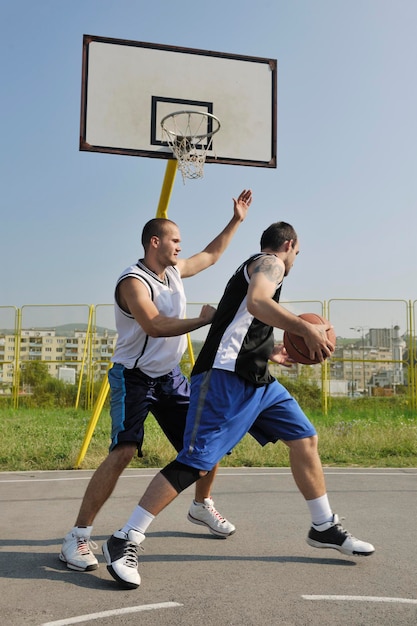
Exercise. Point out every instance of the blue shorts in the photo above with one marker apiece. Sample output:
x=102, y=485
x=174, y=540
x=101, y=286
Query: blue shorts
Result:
x=224, y=407
x=134, y=395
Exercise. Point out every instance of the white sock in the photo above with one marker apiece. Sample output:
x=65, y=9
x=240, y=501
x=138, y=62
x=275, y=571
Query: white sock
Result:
x=206, y=501
x=320, y=510
x=85, y=531
x=139, y=520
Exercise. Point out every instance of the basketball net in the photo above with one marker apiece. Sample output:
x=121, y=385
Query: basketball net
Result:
x=189, y=134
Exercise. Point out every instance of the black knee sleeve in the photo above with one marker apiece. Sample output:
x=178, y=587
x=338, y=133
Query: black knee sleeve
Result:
x=180, y=476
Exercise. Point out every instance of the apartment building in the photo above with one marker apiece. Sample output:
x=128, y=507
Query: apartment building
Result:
x=356, y=368
x=360, y=367
x=77, y=350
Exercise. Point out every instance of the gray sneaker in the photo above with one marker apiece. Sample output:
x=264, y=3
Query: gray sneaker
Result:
x=205, y=514
x=333, y=535
x=121, y=554
x=75, y=550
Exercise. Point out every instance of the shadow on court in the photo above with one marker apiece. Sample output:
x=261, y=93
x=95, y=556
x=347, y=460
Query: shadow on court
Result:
x=264, y=574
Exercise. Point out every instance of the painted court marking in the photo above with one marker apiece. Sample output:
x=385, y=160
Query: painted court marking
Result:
x=115, y=612
x=400, y=472
x=363, y=599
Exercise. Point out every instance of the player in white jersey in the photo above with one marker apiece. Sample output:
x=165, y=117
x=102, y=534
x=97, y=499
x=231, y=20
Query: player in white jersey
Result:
x=145, y=377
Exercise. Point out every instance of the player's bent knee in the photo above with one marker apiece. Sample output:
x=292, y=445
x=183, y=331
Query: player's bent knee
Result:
x=180, y=476
x=305, y=443
x=123, y=452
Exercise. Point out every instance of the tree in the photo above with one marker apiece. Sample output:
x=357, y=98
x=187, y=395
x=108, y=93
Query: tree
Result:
x=34, y=373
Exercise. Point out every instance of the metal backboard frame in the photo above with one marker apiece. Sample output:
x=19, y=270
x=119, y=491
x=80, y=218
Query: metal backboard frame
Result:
x=129, y=86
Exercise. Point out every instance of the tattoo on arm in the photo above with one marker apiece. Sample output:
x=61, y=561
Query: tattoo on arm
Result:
x=271, y=269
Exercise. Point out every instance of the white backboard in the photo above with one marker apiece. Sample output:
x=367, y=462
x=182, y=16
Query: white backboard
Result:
x=129, y=86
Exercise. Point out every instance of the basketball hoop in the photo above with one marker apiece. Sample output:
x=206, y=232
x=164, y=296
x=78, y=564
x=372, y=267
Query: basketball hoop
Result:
x=189, y=134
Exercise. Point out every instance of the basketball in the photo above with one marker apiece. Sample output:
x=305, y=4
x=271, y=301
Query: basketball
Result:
x=295, y=345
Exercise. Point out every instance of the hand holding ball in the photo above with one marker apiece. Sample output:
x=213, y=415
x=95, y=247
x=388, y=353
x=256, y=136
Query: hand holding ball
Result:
x=296, y=346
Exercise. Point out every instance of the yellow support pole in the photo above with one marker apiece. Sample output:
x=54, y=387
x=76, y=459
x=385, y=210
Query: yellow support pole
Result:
x=90, y=316
x=16, y=366
x=190, y=350
x=93, y=421
x=167, y=187
x=411, y=359
x=325, y=381
x=162, y=211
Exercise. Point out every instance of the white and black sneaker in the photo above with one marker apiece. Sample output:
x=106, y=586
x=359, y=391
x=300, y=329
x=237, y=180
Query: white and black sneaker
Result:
x=333, y=535
x=121, y=554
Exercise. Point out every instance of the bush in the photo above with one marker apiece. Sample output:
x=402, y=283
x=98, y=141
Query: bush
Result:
x=306, y=392
x=45, y=391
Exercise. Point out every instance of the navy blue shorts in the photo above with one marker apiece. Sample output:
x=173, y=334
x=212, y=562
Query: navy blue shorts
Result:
x=134, y=395
x=224, y=407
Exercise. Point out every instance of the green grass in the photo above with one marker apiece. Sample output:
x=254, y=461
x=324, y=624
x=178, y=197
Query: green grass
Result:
x=354, y=433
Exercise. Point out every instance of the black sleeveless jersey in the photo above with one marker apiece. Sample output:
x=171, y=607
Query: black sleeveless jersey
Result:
x=237, y=341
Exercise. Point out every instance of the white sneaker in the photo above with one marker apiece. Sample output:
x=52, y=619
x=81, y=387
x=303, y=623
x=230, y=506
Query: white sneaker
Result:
x=204, y=514
x=333, y=535
x=121, y=554
x=75, y=550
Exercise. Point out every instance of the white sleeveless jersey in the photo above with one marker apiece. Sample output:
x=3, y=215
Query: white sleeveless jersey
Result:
x=155, y=356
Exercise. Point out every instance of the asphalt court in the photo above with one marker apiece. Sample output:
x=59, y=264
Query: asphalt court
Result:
x=265, y=574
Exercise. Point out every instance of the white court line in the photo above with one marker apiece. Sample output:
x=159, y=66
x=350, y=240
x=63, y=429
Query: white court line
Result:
x=124, y=611
x=394, y=472
x=57, y=480
x=362, y=599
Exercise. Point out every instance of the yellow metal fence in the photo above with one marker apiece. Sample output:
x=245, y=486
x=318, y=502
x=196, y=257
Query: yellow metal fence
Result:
x=83, y=333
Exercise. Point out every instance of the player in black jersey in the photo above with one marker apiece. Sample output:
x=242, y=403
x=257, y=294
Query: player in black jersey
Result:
x=233, y=393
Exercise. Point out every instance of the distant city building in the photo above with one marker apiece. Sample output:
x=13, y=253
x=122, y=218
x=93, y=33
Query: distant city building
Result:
x=360, y=367
x=75, y=351
x=379, y=337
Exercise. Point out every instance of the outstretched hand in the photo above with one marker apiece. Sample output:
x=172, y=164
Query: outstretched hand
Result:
x=242, y=204
x=280, y=355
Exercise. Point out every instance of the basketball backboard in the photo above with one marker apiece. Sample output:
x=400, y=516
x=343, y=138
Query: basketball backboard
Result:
x=128, y=87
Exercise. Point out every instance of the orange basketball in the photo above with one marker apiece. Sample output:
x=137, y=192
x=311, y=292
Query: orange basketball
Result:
x=295, y=345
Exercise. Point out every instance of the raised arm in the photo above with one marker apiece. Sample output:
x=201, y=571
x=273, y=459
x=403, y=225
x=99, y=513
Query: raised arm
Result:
x=213, y=251
x=266, y=274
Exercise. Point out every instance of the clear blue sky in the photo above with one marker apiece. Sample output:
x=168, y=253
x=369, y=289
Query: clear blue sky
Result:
x=347, y=149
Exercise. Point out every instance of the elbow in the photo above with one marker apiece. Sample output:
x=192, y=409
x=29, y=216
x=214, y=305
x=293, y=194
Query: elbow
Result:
x=212, y=260
x=153, y=331
x=256, y=307
x=156, y=332
x=252, y=308
x=212, y=257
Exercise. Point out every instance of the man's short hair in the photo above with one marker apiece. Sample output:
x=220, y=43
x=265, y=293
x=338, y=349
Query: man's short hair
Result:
x=156, y=227
x=277, y=234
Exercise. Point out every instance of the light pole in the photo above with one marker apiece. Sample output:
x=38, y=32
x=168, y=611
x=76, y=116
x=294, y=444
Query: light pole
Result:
x=361, y=329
